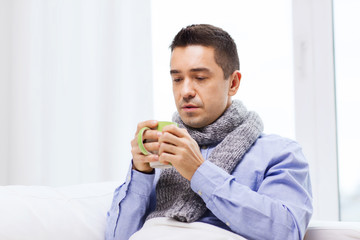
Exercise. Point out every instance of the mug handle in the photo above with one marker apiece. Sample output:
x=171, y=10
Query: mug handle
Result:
x=140, y=141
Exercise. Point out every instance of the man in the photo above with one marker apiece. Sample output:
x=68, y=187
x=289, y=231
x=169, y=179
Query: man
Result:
x=228, y=178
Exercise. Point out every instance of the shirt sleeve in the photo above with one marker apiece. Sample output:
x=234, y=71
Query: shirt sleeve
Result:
x=130, y=205
x=279, y=209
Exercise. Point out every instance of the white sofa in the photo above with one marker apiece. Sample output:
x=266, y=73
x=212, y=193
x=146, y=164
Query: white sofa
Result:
x=79, y=212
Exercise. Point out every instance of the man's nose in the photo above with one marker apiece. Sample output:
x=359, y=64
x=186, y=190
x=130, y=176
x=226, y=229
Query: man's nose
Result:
x=188, y=90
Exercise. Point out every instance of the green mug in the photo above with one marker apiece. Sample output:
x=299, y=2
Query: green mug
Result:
x=140, y=141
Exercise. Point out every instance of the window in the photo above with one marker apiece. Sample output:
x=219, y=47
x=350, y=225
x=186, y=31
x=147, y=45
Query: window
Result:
x=347, y=62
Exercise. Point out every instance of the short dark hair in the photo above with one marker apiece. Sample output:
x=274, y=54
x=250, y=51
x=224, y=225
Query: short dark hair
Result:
x=226, y=55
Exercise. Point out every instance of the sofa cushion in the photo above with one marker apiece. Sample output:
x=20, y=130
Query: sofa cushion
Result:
x=38, y=212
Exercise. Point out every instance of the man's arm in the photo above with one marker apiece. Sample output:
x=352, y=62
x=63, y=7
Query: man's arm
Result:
x=278, y=208
x=131, y=203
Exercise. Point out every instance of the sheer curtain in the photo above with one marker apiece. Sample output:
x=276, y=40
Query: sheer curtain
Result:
x=75, y=78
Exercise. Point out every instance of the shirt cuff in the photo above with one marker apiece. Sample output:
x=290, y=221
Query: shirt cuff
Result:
x=140, y=183
x=206, y=179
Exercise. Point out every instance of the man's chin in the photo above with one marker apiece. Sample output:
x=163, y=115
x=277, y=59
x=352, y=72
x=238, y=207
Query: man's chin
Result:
x=194, y=122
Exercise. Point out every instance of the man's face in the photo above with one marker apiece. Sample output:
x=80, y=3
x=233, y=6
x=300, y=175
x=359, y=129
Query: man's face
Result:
x=201, y=93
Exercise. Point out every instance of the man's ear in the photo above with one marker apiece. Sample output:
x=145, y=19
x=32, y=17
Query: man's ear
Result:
x=234, y=82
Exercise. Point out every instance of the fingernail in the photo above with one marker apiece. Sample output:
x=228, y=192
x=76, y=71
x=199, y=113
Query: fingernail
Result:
x=159, y=134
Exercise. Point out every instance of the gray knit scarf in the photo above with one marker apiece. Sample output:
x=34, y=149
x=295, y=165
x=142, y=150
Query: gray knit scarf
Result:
x=234, y=133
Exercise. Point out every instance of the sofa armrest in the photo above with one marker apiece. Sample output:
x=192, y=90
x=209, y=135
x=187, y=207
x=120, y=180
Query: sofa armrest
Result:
x=39, y=212
x=326, y=230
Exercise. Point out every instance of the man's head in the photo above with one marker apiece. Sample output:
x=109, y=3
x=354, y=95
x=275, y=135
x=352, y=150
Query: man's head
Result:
x=204, y=69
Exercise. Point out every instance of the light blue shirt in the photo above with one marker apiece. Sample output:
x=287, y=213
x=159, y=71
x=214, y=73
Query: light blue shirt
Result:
x=267, y=196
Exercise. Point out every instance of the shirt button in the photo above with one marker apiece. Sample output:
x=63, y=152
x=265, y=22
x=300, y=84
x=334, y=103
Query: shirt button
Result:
x=129, y=178
x=228, y=224
x=199, y=192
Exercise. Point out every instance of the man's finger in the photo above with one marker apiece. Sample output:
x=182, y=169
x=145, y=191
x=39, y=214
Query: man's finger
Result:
x=152, y=146
x=151, y=134
x=167, y=158
x=168, y=137
x=167, y=148
x=148, y=158
x=148, y=123
x=179, y=132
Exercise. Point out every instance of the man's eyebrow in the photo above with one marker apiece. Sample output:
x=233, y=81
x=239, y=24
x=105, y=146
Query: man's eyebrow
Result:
x=200, y=70
x=174, y=71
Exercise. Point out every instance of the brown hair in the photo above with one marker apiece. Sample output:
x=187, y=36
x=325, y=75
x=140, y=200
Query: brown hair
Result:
x=226, y=55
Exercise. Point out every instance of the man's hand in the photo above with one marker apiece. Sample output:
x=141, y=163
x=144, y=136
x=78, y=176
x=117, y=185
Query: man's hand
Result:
x=140, y=161
x=181, y=150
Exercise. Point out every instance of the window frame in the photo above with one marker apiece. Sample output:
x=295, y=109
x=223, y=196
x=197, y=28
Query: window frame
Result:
x=315, y=101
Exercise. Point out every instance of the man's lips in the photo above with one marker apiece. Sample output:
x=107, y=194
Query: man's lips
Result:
x=189, y=107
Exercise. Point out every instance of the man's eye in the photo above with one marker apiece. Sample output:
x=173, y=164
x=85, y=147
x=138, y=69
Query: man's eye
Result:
x=200, y=78
x=176, y=79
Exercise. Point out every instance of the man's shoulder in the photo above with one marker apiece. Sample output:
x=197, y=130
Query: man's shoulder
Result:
x=271, y=150
x=274, y=139
x=275, y=143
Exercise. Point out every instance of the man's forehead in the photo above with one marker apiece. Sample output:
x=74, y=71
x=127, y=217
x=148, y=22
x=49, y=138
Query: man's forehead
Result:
x=193, y=58
x=200, y=49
